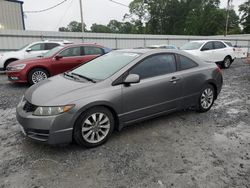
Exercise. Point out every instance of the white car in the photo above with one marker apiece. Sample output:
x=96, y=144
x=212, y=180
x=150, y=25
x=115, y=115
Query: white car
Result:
x=28, y=51
x=217, y=51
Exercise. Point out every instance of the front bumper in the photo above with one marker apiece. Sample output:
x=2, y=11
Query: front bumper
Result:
x=47, y=129
x=17, y=76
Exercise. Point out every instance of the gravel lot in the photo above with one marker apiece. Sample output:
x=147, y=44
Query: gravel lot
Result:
x=184, y=149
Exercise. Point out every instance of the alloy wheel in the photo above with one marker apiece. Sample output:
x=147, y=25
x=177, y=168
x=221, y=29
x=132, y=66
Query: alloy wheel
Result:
x=95, y=128
x=38, y=76
x=207, y=98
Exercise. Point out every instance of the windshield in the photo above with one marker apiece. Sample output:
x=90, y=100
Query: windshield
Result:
x=106, y=65
x=23, y=47
x=192, y=46
x=52, y=51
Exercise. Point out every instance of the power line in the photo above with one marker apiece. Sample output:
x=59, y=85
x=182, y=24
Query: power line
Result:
x=43, y=10
x=66, y=11
x=116, y=2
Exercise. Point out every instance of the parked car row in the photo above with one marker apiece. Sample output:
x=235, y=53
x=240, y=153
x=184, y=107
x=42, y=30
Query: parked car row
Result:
x=53, y=62
x=28, y=51
x=102, y=90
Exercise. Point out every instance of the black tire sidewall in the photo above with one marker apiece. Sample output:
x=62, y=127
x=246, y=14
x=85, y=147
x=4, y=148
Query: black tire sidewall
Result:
x=200, y=108
x=7, y=63
x=223, y=64
x=33, y=71
x=77, y=132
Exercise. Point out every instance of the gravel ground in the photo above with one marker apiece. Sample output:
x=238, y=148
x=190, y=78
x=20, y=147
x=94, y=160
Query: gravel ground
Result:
x=184, y=149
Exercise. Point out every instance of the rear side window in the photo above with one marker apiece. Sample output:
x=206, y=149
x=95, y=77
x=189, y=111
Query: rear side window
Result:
x=92, y=50
x=186, y=63
x=207, y=46
x=49, y=46
x=71, y=52
x=219, y=45
x=37, y=47
x=155, y=66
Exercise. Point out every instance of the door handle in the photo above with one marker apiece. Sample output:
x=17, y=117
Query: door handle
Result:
x=174, y=79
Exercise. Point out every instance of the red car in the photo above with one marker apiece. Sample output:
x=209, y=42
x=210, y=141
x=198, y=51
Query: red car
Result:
x=55, y=61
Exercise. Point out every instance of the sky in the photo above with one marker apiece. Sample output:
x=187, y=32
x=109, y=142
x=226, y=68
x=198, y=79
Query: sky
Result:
x=94, y=11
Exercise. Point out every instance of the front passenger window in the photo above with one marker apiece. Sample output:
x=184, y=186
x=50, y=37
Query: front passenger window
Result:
x=37, y=47
x=207, y=46
x=71, y=52
x=155, y=66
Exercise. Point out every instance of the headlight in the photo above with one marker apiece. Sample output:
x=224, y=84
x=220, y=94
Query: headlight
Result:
x=51, y=111
x=16, y=67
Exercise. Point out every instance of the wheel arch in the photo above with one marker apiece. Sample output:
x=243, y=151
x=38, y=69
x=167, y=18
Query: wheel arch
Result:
x=212, y=83
x=9, y=59
x=104, y=104
x=37, y=67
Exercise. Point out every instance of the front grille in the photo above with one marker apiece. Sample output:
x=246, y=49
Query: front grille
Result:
x=28, y=107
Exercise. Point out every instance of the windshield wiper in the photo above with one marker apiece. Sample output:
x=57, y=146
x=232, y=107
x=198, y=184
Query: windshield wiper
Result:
x=84, y=77
x=69, y=75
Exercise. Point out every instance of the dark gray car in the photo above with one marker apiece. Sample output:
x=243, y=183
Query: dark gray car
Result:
x=115, y=90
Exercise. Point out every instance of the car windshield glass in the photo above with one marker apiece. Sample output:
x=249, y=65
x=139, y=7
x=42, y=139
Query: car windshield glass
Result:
x=23, y=47
x=106, y=65
x=52, y=51
x=192, y=46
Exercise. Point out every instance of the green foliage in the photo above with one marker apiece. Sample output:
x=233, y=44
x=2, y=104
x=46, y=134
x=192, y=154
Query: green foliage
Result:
x=98, y=28
x=175, y=17
x=73, y=26
x=245, y=16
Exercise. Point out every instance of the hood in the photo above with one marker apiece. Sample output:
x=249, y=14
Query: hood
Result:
x=30, y=60
x=58, y=90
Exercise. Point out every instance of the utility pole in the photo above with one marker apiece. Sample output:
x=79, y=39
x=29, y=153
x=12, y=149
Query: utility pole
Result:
x=81, y=15
x=227, y=16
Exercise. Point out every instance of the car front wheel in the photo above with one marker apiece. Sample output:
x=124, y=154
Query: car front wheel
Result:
x=36, y=75
x=206, y=99
x=94, y=127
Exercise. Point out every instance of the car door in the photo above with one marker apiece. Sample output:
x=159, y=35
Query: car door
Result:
x=192, y=81
x=220, y=51
x=207, y=51
x=34, y=50
x=67, y=59
x=158, y=91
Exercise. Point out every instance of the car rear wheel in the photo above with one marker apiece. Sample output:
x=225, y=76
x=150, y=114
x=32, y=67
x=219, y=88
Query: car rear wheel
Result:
x=36, y=75
x=94, y=127
x=206, y=99
x=227, y=62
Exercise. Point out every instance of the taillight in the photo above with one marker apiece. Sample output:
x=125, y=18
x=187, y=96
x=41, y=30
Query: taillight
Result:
x=219, y=69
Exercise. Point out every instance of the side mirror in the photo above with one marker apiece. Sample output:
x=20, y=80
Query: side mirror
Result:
x=57, y=57
x=132, y=79
x=28, y=50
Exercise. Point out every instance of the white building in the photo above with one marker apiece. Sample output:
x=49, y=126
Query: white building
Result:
x=11, y=15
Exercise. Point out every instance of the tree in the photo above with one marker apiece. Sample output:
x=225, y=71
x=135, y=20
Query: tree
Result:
x=98, y=28
x=244, y=10
x=73, y=26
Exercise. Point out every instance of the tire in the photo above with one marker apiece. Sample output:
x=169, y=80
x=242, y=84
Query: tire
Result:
x=206, y=99
x=91, y=121
x=8, y=62
x=36, y=75
x=227, y=62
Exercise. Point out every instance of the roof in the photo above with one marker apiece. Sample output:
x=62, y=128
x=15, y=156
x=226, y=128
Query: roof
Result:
x=205, y=40
x=15, y=1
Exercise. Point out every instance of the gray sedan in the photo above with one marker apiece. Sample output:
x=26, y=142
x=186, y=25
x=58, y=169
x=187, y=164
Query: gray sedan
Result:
x=113, y=91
